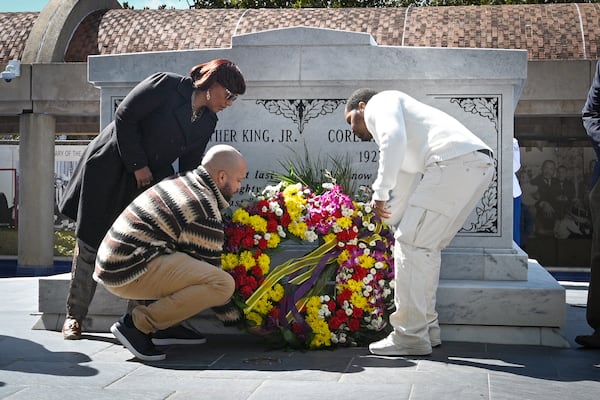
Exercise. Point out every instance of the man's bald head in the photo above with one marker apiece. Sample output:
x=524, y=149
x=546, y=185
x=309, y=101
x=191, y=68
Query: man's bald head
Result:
x=227, y=166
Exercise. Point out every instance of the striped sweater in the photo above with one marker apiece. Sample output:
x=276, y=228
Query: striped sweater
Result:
x=178, y=214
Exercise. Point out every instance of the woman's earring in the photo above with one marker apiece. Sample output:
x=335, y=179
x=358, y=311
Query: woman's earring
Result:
x=207, y=95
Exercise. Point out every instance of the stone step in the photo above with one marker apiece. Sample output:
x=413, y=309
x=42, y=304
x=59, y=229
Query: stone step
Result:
x=519, y=312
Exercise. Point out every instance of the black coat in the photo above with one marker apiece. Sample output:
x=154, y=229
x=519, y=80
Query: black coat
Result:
x=591, y=119
x=153, y=128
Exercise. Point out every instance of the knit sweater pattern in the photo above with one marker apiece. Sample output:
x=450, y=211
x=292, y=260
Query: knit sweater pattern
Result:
x=179, y=214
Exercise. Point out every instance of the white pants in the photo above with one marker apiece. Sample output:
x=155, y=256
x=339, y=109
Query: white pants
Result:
x=430, y=217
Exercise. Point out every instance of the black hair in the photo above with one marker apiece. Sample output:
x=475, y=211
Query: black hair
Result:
x=363, y=94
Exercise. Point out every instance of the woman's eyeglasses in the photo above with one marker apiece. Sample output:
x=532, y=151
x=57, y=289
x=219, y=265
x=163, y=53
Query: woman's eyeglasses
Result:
x=230, y=96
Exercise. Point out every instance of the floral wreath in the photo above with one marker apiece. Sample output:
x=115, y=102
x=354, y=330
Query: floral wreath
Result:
x=339, y=294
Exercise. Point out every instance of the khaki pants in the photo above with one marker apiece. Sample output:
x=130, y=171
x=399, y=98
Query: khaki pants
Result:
x=182, y=287
x=435, y=211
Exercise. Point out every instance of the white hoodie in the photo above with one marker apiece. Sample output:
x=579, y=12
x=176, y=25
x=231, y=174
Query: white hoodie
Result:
x=410, y=136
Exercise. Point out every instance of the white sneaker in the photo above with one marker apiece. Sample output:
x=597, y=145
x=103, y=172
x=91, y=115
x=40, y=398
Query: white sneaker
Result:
x=387, y=347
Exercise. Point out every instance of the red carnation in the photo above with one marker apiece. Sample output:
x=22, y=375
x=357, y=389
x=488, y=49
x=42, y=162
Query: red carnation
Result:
x=256, y=271
x=335, y=323
x=331, y=305
x=345, y=295
x=341, y=314
x=275, y=312
x=262, y=243
x=272, y=225
x=354, y=324
x=357, y=312
x=248, y=242
x=246, y=291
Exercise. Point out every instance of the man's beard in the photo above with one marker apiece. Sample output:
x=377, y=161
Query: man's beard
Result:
x=227, y=192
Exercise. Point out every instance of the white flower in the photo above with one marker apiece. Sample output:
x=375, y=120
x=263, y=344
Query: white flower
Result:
x=347, y=212
x=311, y=236
x=324, y=311
x=378, y=265
x=371, y=227
x=327, y=185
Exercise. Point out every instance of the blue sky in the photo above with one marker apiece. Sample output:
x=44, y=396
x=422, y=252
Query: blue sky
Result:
x=37, y=5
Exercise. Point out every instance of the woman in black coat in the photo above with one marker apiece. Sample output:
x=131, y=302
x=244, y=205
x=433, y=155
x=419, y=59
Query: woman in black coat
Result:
x=164, y=118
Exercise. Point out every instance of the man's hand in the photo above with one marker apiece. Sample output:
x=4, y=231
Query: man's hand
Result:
x=379, y=209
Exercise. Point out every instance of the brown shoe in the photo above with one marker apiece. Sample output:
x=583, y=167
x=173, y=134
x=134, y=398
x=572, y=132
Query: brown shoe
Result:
x=71, y=329
x=589, y=341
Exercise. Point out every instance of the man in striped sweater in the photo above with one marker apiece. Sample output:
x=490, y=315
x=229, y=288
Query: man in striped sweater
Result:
x=166, y=246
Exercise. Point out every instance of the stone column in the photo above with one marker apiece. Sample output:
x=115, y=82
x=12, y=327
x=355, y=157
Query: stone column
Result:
x=36, y=194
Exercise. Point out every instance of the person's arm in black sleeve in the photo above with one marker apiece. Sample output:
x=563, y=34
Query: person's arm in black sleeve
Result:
x=141, y=102
x=591, y=110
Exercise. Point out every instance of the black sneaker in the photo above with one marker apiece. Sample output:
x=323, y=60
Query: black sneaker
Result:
x=177, y=335
x=136, y=341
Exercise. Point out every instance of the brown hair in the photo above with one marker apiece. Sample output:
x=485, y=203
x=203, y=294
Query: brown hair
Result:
x=220, y=70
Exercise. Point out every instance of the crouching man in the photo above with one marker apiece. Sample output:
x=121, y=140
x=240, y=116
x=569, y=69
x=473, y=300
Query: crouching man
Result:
x=166, y=246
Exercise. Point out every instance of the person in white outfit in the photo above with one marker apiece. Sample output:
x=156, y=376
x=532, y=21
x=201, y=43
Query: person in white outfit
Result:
x=432, y=172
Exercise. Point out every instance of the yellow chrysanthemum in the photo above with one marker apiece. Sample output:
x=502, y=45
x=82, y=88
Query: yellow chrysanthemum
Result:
x=277, y=292
x=366, y=261
x=322, y=334
x=314, y=303
x=295, y=207
x=329, y=237
x=264, y=262
x=291, y=190
x=343, y=257
x=258, y=223
x=264, y=306
x=229, y=261
x=354, y=285
x=297, y=229
x=247, y=260
x=240, y=216
x=358, y=300
x=273, y=241
x=344, y=222
x=254, y=317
